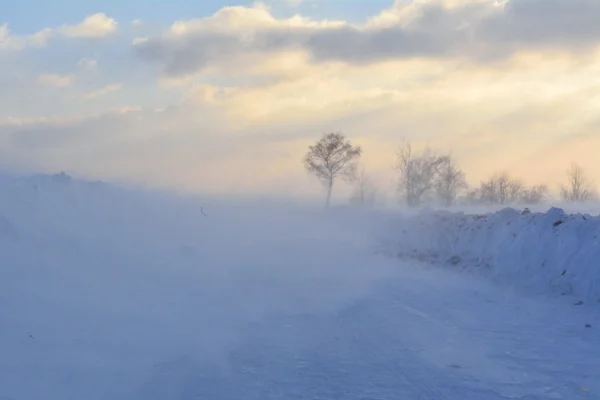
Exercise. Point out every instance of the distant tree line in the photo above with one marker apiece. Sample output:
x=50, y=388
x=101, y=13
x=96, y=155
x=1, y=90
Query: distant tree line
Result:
x=428, y=177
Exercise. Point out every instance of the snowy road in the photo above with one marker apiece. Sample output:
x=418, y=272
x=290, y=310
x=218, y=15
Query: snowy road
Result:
x=414, y=337
x=417, y=334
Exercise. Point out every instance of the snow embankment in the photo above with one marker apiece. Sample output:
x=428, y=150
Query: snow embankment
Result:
x=536, y=251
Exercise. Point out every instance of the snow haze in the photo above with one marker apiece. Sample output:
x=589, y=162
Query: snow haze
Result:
x=111, y=282
x=120, y=293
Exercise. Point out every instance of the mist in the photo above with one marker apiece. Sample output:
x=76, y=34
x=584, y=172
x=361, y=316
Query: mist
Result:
x=106, y=283
x=117, y=292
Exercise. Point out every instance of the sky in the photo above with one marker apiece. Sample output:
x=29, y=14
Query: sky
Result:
x=224, y=98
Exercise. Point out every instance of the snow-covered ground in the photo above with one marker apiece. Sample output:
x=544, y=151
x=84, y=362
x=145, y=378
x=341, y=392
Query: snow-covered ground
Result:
x=110, y=293
x=549, y=251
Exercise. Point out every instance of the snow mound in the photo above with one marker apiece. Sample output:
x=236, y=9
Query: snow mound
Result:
x=530, y=250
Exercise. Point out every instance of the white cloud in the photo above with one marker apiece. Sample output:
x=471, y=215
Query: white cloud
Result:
x=139, y=40
x=40, y=38
x=484, y=31
x=87, y=63
x=294, y=3
x=4, y=35
x=55, y=80
x=230, y=33
x=136, y=23
x=239, y=19
x=103, y=91
x=9, y=41
x=97, y=25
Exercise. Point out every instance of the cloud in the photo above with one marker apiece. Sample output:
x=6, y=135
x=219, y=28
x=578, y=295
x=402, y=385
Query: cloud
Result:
x=231, y=32
x=294, y=3
x=95, y=26
x=4, y=36
x=179, y=146
x=40, y=38
x=103, y=91
x=87, y=63
x=480, y=30
x=55, y=80
x=47, y=133
x=15, y=42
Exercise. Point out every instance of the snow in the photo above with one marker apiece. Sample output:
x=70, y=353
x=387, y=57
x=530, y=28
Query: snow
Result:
x=538, y=251
x=117, y=293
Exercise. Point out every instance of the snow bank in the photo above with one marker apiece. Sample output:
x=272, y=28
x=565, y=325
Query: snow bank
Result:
x=536, y=251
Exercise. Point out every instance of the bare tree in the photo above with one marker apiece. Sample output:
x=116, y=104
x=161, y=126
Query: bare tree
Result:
x=474, y=196
x=450, y=181
x=418, y=173
x=534, y=194
x=501, y=189
x=578, y=187
x=331, y=157
x=365, y=192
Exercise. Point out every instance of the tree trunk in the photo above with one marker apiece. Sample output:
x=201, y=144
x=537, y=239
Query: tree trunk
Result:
x=329, y=189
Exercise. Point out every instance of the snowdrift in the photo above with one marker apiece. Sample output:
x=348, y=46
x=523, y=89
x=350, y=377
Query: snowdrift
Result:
x=531, y=250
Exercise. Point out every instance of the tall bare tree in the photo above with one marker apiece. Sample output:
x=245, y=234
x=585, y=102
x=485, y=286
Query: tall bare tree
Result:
x=578, y=187
x=474, y=196
x=534, y=194
x=330, y=158
x=501, y=189
x=418, y=172
x=365, y=192
x=450, y=181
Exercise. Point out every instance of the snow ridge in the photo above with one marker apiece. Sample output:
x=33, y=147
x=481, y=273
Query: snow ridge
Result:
x=537, y=251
